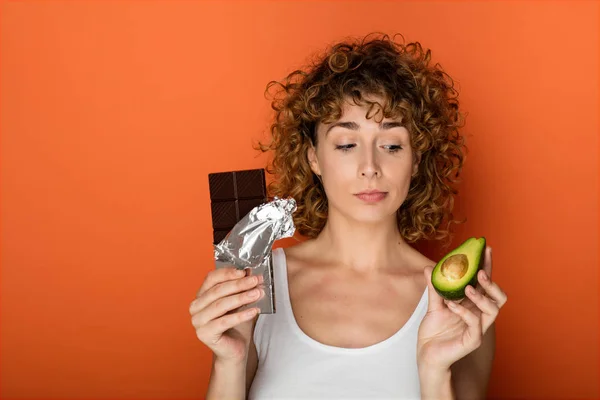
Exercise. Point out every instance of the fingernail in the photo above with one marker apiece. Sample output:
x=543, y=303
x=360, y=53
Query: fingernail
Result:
x=484, y=276
x=253, y=293
x=451, y=304
x=261, y=279
x=470, y=290
x=251, y=312
x=251, y=280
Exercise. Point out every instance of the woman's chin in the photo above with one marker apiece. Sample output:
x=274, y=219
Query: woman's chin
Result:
x=374, y=217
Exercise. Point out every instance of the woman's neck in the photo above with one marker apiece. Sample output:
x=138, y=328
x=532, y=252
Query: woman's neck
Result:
x=361, y=246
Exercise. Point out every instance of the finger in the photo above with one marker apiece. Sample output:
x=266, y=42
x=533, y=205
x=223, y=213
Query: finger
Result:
x=473, y=334
x=492, y=289
x=436, y=302
x=224, y=305
x=223, y=290
x=487, y=266
x=219, y=275
x=488, y=307
x=212, y=332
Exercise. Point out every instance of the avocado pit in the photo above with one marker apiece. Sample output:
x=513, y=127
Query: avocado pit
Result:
x=455, y=267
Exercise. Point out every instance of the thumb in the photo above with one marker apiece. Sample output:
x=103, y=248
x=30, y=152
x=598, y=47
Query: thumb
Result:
x=436, y=302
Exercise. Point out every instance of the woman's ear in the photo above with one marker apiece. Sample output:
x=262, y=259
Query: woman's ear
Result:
x=312, y=160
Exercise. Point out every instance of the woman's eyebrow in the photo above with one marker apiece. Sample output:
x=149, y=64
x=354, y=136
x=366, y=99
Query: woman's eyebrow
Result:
x=355, y=127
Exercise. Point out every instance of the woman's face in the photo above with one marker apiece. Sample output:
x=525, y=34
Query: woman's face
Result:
x=366, y=167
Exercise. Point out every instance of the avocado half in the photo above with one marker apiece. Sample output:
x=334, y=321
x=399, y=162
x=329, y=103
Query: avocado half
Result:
x=458, y=269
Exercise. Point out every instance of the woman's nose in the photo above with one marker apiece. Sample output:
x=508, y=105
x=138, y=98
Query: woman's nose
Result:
x=370, y=173
x=370, y=166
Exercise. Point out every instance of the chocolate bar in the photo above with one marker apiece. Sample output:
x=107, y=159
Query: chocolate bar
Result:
x=233, y=195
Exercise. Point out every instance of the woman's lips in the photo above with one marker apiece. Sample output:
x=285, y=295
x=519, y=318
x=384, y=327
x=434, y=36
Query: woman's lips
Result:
x=372, y=197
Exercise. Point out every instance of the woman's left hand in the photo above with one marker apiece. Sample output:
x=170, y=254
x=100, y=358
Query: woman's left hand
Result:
x=451, y=330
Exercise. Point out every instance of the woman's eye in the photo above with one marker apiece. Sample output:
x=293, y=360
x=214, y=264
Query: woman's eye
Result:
x=344, y=147
x=393, y=148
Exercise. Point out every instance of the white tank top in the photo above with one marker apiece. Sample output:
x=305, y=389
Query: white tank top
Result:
x=292, y=365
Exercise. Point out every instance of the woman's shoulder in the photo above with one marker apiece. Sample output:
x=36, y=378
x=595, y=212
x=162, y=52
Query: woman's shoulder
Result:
x=298, y=255
x=299, y=251
x=307, y=252
x=418, y=261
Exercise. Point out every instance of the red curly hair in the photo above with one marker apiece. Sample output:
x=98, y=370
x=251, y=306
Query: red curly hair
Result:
x=418, y=93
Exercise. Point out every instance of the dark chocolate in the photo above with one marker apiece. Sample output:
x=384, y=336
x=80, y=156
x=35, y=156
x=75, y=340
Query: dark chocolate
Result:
x=233, y=195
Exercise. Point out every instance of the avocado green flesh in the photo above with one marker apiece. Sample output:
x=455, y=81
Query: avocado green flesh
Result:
x=454, y=288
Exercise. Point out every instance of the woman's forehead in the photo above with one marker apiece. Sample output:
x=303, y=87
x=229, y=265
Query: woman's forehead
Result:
x=367, y=108
x=356, y=117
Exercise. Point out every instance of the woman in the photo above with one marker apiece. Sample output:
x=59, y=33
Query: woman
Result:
x=366, y=142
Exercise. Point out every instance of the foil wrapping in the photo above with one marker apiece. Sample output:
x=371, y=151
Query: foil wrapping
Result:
x=249, y=245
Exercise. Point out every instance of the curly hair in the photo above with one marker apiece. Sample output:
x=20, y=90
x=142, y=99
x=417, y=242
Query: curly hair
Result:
x=418, y=93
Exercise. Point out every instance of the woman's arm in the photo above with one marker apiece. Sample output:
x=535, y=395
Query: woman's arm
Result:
x=232, y=380
x=252, y=364
x=457, y=340
x=436, y=385
x=471, y=374
x=467, y=378
x=227, y=381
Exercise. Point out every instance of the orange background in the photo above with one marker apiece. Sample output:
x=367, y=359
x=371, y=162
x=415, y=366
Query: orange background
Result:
x=113, y=113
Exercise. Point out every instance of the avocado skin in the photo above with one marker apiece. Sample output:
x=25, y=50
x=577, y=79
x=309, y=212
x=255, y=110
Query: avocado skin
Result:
x=459, y=293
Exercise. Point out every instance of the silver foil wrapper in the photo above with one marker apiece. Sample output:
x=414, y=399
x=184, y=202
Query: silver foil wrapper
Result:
x=249, y=245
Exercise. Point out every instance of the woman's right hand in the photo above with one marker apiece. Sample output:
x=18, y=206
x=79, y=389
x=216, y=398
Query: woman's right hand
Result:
x=215, y=315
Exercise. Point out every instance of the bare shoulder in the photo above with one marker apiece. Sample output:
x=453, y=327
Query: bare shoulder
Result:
x=299, y=251
x=416, y=262
x=308, y=253
x=418, y=259
x=299, y=254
